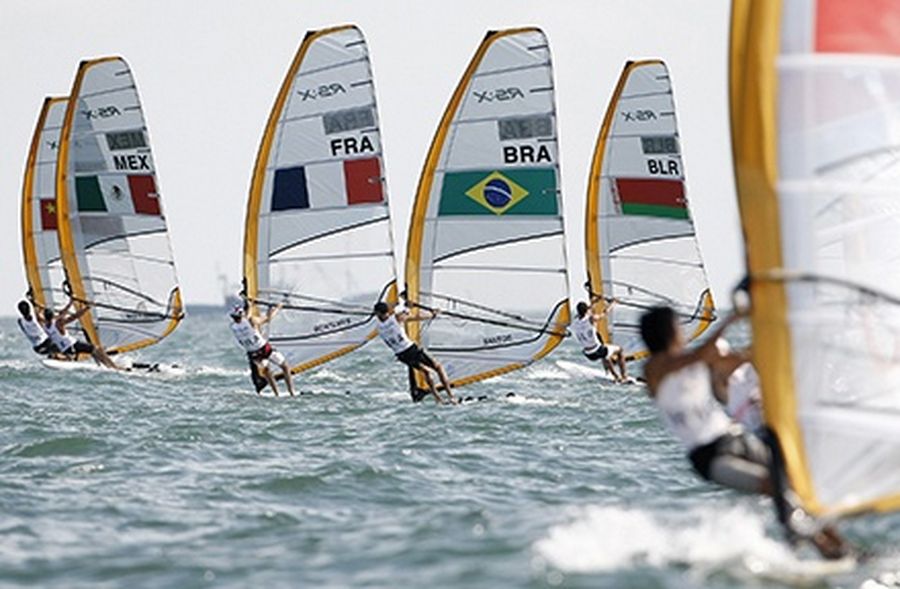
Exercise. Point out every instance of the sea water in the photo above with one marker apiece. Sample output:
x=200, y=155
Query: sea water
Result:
x=111, y=480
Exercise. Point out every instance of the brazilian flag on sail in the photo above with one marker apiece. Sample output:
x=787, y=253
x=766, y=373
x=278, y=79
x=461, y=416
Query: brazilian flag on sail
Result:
x=513, y=191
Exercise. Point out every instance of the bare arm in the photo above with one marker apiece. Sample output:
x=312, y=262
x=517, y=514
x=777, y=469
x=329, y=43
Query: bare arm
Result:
x=269, y=315
x=728, y=363
x=66, y=319
x=404, y=316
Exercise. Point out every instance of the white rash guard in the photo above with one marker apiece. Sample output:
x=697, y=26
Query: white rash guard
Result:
x=688, y=407
x=248, y=336
x=33, y=331
x=586, y=334
x=744, y=397
x=393, y=335
x=63, y=341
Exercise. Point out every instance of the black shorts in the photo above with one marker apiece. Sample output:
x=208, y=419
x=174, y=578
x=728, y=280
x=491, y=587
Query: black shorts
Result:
x=416, y=357
x=79, y=348
x=731, y=444
x=598, y=354
x=45, y=348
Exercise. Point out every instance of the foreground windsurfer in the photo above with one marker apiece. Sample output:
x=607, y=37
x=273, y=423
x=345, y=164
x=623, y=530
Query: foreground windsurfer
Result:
x=67, y=344
x=681, y=385
x=585, y=329
x=260, y=352
x=390, y=329
x=34, y=331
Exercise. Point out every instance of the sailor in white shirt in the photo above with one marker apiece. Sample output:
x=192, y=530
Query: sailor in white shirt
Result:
x=390, y=328
x=680, y=383
x=68, y=345
x=260, y=352
x=34, y=331
x=584, y=327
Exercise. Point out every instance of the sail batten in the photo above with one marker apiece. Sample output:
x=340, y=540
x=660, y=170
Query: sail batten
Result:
x=640, y=243
x=488, y=205
x=815, y=102
x=318, y=230
x=113, y=234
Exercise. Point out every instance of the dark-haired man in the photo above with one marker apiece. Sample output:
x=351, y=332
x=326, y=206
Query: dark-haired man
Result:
x=34, y=331
x=679, y=381
x=390, y=328
x=585, y=329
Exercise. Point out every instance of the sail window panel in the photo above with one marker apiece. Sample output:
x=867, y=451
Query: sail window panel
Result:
x=349, y=280
x=844, y=108
x=455, y=236
x=331, y=277
x=297, y=227
x=365, y=239
x=522, y=292
x=514, y=253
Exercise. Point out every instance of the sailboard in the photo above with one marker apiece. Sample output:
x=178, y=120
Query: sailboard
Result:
x=40, y=242
x=112, y=231
x=486, y=245
x=318, y=229
x=640, y=243
x=815, y=99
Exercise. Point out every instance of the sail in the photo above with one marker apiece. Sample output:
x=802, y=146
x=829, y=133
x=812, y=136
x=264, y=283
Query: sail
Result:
x=112, y=230
x=486, y=243
x=318, y=232
x=816, y=129
x=640, y=244
x=40, y=243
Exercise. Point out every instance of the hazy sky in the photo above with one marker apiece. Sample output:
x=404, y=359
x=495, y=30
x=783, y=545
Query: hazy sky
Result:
x=208, y=71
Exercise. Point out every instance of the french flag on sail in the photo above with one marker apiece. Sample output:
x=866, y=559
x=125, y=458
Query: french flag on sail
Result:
x=328, y=185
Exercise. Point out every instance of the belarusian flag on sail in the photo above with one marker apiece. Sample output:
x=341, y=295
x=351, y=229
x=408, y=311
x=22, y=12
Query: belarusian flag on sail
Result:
x=651, y=197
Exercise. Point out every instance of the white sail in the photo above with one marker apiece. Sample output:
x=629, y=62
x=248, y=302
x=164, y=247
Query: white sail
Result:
x=816, y=124
x=641, y=245
x=112, y=229
x=40, y=242
x=486, y=243
x=318, y=233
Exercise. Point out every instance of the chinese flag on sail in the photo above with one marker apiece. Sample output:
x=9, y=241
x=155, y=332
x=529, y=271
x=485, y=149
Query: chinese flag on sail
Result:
x=48, y=214
x=143, y=195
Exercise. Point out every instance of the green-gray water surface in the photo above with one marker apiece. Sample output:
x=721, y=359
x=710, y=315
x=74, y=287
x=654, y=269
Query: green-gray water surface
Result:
x=110, y=480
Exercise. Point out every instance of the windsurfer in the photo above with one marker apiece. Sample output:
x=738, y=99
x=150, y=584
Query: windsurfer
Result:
x=681, y=385
x=391, y=331
x=585, y=329
x=34, y=331
x=260, y=352
x=70, y=347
